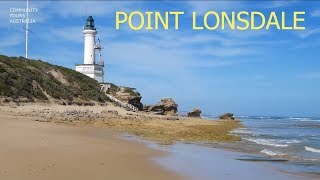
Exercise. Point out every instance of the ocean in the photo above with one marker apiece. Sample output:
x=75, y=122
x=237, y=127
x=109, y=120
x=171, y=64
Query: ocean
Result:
x=295, y=140
x=284, y=148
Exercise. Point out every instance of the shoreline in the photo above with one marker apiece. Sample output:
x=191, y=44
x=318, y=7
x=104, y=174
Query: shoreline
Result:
x=237, y=163
x=163, y=128
x=160, y=156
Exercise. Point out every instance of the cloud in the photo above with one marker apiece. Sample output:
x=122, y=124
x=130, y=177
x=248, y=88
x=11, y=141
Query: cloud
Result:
x=68, y=34
x=202, y=7
x=310, y=32
x=225, y=52
x=315, y=13
x=259, y=77
x=9, y=41
x=310, y=76
x=84, y=8
x=276, y=4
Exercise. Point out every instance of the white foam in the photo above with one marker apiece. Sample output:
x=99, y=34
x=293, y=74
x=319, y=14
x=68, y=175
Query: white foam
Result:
x=267, y=142
x=304, y=119
x=242, y=116
x=263, y=117
x=241, y=131
x=312, y=149
x=298, y=118
x=272, y=153
x=310, y=120
x=292, y=141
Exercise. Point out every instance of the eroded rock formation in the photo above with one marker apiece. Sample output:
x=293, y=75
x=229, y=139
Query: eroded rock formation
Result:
x=194, y=113
x=166, y=106
x=226, y=116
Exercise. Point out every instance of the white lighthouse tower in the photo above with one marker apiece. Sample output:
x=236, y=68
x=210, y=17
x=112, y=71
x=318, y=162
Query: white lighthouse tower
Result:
x=89, y=66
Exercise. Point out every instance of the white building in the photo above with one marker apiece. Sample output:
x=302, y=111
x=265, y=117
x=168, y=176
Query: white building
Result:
x=89, y=66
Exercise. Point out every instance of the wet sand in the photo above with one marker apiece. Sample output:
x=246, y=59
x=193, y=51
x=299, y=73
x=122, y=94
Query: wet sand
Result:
x=37, y=150
x=206, y=163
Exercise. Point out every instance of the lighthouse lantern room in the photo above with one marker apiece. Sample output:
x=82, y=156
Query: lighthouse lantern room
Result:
x=89, y=66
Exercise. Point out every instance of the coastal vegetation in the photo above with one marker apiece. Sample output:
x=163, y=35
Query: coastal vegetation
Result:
x=37, y=81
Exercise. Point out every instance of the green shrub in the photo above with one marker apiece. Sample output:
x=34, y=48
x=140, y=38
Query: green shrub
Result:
x=20, y=77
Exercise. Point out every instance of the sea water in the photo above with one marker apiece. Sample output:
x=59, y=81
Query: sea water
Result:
x=296, y=139
x=271, y=147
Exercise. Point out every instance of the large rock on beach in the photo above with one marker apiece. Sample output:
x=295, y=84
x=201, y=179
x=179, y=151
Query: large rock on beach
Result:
x=166, y=106
x=194, y=113
x=226, y=116
x=130, y=96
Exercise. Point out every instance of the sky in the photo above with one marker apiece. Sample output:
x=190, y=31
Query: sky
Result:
x=265, y=72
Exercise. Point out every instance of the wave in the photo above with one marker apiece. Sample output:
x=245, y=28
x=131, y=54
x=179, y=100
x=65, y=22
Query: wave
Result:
x=272, y=153
x=304, y=119
x=267, y=142
x=241, y=116
x=314, y=137
x=241, y=131
x=312, y=149
x=298, y=118
x=264, y=117
x=310, y=120
x=267, y=117
x=292, y=141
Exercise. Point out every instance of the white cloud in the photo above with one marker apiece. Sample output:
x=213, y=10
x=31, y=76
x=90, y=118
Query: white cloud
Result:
x=69, y=34
x=307, y=33
x=277, y=4
x=259, y=77
x=10, y=40
x=201, y=7
x=84, y=8
x=310, y=76
x=315, y=13
x=225, y=52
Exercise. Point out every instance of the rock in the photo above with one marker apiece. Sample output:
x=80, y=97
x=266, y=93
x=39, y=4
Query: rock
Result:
x=158, y=112
x=114, y=112
x=194, y=113
x=226, y=116
x=146, y=108
x=130, y=96
x=172, y=118
x=135, y=101
x=165, y=107
x=166, y=142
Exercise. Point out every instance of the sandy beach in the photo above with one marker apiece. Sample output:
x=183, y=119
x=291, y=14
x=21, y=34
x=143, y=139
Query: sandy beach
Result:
x=36, y=150
x=47, y=141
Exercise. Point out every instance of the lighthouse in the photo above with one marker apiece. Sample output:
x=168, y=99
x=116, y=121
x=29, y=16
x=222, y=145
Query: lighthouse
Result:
x=90, y=67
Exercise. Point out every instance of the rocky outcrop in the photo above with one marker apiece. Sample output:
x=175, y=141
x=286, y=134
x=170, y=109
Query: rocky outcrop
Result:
x=165, y=107
x=129, y=96
x=136, y=102
x=226, y=116
x=194, y=113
